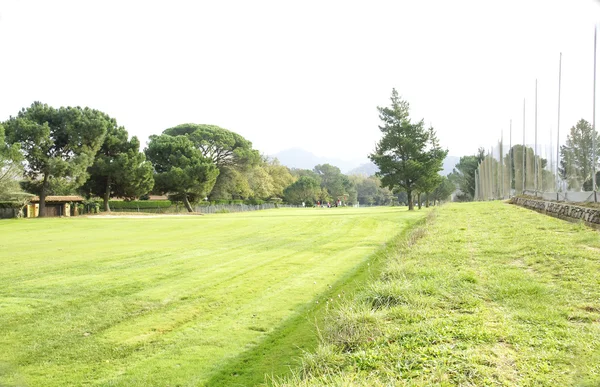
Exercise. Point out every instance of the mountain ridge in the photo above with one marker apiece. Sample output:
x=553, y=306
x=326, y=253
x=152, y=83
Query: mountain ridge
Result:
x=303, y=159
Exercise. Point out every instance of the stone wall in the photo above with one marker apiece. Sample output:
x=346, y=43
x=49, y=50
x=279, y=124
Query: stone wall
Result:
x=590, y=216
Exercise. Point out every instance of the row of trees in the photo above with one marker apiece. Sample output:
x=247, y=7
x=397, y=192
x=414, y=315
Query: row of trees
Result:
x=73, y=149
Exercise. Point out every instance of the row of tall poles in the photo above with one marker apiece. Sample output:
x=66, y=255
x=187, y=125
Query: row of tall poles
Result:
x=536, y=172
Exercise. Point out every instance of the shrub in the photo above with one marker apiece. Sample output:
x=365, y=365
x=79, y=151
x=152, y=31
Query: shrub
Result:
x=141, y=204
x=10, y=204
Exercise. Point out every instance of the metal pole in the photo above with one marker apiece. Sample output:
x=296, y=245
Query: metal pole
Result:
x=523, y=187
x=510, y=161
x=551, y=157
x=501, y=164
x=594, y=124
x=477, y=184
x=558, y=126
x=492, y=177
x=535, y=162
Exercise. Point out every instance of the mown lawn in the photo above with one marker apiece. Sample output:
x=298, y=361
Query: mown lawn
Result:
x=174, y=301
x=490, y=295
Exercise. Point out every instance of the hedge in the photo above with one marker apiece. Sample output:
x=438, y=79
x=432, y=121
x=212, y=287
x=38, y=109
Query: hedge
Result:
x=9, y=204
x=135, y=204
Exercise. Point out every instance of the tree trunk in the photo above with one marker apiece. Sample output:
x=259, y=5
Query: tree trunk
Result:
x=427, y=200
x=107, y=195
x=42, y=211
x=187, y=204
x=419, y=200
x=409, y=199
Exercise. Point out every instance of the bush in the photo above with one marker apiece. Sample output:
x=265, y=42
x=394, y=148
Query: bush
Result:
x=9, y=204
x=141, y=204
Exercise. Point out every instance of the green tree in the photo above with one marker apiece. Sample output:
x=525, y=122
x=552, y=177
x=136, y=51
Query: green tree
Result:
x=222, y=146
x=299, y=172
x=180, y=169
x=576, y=164
x=230, y=184
x=231, y=153
x=10, y=168
x=280, y=175
x=305, y=189
x=407, y=152
x=119, y=168
x=59, y=145
x=443, y=191
x=337, y=185
x=260, y=182
x=429, y=180
x=369, y=190
x=463, y=175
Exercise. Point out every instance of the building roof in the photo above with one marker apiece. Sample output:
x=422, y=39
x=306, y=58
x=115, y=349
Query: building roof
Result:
x=59, y=199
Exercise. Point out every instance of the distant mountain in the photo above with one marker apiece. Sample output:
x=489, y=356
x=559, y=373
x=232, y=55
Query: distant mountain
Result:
x=369, y=169
x=366, y=169
x=303, y=159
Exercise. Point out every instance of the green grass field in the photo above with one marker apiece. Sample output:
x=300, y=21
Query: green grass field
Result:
x=491, y=295
x=216, y=300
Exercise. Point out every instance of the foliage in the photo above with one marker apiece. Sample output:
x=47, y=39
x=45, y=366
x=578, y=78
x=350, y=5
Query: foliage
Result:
x=370, y=192
x=335, y=184
x=305, y=189
x=298, y=173
x=141, y=204
x=576, y=164
x=261, y=181
x=443, y=191
x=280, y=177
x=241, y=172
x=223, y=147
x=463, y=175
x=431, y=179
x=119, y=168
x=10, y=204
x=58, y=144
x=180, y=168
x=10, y=168
x=408, y=155
x=231, y=184
x=231, y=153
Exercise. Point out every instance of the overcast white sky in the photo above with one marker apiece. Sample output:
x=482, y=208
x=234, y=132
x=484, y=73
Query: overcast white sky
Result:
x=304, y=74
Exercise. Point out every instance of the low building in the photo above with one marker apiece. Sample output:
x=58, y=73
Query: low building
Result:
x=55, y=206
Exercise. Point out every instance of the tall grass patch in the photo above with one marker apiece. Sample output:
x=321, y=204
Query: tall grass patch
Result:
x=485, y=294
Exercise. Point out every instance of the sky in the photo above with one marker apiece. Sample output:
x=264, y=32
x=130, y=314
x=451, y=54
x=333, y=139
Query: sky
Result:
x=308, y=74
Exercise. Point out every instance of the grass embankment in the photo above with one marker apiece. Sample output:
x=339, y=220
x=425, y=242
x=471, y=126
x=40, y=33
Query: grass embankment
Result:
x=175, y=301
x=493, y=294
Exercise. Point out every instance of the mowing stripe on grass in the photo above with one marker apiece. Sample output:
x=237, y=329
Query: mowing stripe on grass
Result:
x=167, y=300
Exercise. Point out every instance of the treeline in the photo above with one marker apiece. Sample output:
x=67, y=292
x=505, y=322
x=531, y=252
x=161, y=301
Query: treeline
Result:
x=67, y=150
